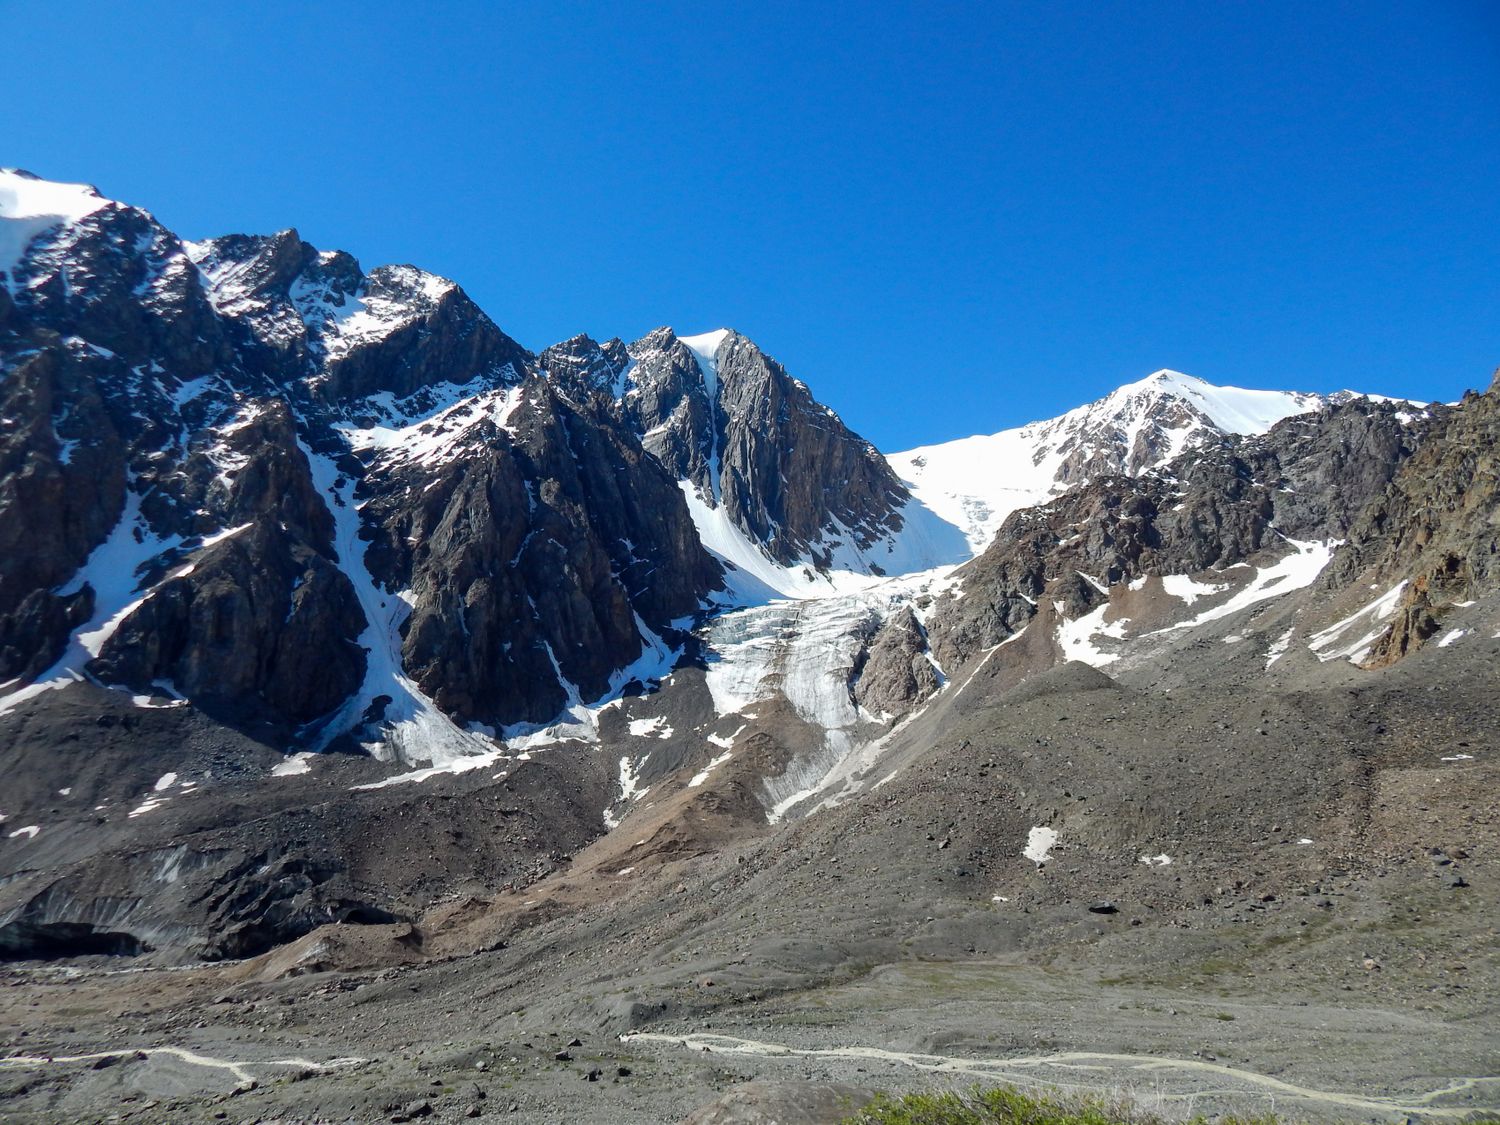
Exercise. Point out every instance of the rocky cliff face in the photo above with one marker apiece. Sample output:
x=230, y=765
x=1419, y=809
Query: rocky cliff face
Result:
x=239, y=471
x=1309, y=478
x=792, y=475
x=537, y=554
x=1435, y=529
x=727, y=418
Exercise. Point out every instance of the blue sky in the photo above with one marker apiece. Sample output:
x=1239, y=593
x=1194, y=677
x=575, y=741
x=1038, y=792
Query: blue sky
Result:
x=946, y=218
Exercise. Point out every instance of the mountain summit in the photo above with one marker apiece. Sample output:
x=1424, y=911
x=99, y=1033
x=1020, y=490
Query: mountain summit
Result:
x=976, y=482
x=341, y=507
x=623, y=686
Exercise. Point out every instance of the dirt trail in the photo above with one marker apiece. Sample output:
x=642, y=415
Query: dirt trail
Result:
x=238, y=1069
x=1027, y=1070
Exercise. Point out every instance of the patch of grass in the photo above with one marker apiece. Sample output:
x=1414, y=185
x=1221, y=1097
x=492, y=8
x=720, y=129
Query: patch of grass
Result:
x=1005, y=1105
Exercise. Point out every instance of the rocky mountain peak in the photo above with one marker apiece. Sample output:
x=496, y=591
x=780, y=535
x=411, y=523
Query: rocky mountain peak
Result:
x=345, y=334
x=31, y=207
x=582, y=365
x=774, y=471
x=976, y=482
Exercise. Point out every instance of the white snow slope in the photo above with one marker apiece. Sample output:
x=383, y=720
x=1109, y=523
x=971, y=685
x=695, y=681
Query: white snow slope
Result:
x=976, y=482
x=925, y=541
x=29, y=207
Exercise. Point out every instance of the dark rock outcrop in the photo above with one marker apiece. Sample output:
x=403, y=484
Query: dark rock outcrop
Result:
x=62, y=470
x=532, y=549
x=581, y=367
x=792, y=474
x=1436, y=527
x=667, y=402
x=752, y=439
x=1308, y=478
x=346, y=335
x=261, y=628
x=895, y=673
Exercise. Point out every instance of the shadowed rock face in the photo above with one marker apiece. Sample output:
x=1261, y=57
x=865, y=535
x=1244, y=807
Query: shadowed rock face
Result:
x=668, y=404
x=790, y=467
x=183, y=387
x=1435, y=527
x=264, y=628
x=62, y=486
x=751, y=438
x=1309, y=478
x=541, y=549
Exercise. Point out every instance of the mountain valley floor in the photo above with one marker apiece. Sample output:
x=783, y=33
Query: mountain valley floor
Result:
x=1343, y=971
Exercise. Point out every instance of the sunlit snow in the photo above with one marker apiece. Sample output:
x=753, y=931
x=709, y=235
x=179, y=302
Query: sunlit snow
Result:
x=30, y=207
x=702, y=775
x=1039, y=844
x=294, y=765
x=975, y=482
x=1330, y=643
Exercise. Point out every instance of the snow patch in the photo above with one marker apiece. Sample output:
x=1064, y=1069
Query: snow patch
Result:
x=294, y=766
x=433, y=438
x=1039, y=844
x=1182, y=587
x=724, y=742
x=150, y=804
x=1326, y=645
x=630, y=790
x=1294, y=571
x=642, y=728
x=29, y=832
x=1076, y=638
x=702, y=775
x=30, y=207
x=1279, y=647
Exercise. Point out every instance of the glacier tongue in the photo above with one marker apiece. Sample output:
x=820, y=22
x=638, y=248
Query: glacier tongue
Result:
x=805, y=650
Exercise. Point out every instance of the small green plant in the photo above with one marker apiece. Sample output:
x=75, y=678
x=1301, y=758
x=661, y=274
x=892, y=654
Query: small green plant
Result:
x=1005, y=1105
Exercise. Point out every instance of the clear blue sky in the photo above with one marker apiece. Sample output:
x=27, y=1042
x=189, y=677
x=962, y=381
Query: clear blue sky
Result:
x=946, y=218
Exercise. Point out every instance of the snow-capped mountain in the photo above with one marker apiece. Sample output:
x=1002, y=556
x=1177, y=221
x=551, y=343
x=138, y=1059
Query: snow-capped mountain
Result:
x=257, y=503
x=976, y=482
x=248, y=475
x=793, y=502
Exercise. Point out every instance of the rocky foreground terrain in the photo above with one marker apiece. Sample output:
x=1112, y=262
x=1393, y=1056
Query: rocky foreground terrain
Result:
x=400, y=725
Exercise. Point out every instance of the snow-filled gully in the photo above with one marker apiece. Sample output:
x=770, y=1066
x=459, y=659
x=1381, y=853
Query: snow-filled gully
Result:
x=417, y=730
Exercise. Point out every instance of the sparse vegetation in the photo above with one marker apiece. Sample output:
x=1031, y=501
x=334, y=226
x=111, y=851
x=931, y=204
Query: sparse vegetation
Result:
x=1006, y=1105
